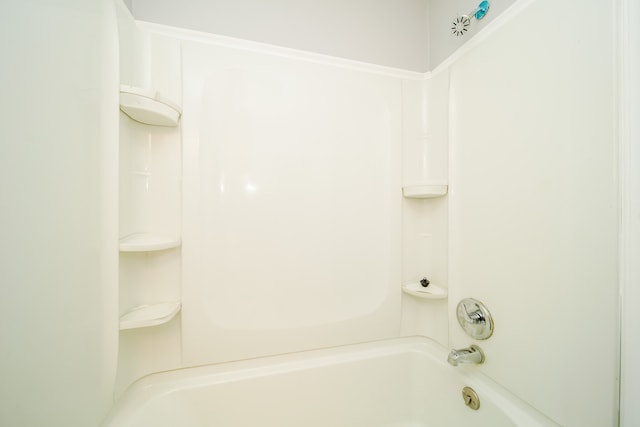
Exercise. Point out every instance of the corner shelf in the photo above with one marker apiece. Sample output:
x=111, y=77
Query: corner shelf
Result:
x=147, y=242
x=430, y=292
x=425, y=191
x=148, y=106
x=149, y=315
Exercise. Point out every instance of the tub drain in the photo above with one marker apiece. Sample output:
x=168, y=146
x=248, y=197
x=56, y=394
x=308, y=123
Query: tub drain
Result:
x=471, y=398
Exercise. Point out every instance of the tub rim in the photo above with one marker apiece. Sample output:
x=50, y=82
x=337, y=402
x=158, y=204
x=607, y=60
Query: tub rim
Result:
x=160, y=384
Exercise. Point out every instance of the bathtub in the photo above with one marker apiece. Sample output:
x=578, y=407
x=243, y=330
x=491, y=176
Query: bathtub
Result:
x=403, y=382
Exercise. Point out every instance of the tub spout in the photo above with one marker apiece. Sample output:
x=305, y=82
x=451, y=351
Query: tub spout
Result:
x=473, y=354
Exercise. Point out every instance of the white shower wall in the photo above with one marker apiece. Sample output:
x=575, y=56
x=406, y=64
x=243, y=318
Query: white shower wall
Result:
x=291, y=201
x=58, y=168
x=292, y=177
x=534, y=207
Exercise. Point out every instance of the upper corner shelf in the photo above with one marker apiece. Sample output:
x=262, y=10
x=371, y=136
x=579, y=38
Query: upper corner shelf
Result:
x=148, y=106
x=425, y=191
x=147, y=242
x=430, y=292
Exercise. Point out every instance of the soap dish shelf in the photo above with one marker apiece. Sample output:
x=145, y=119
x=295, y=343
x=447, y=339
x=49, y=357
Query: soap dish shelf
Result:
x=427, y=190
x=148, y=242
x=148, y=106
x=430, y=292
x=149, y=315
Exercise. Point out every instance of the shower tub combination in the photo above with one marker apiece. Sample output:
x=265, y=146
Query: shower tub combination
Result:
x=392, y=383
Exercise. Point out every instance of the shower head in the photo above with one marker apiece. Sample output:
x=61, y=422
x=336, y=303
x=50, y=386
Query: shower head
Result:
x=460, y=24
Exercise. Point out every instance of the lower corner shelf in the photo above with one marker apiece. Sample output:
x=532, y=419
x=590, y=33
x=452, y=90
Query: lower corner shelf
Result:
x=430, y=292
x=147, y=242
x=149, y=315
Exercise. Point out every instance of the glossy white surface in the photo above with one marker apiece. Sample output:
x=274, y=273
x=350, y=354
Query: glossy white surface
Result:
x=149, y=277
x=148, y=60
x=292, y=210
x=58, y=180
x=148, y=107
x=147, y=242
x=430, y=292
x=150, y=208
x=534, y=207
x=402, y=382
x=149, y=315
x=424, y=221
x=426, y=191
x=150, y=179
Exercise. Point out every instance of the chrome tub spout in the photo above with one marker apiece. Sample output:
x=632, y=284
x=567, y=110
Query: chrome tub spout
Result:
x=473, y=354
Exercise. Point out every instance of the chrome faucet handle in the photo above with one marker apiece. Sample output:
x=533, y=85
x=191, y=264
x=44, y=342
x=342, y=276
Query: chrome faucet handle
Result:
x=475, y=319
x=476, y=316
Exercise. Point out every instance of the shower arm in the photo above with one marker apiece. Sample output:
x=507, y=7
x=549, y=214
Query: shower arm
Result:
x=480, y=11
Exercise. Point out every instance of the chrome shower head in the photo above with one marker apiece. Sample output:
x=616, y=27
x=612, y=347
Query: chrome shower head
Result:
x=461, y=24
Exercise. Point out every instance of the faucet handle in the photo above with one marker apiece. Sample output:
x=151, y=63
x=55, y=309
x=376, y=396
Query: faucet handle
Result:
x=476, y=316
x=475, y=319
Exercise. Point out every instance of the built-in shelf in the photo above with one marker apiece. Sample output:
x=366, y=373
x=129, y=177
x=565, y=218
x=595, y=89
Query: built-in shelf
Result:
x=425, y=191
x=148, y=106
x=149, y=315
x=147, y=242
x=430, y=292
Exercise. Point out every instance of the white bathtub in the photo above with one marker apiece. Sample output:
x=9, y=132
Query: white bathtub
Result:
x=400, y=382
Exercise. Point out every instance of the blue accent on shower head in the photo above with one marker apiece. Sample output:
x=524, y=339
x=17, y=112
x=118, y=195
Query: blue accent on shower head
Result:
x=482, y=10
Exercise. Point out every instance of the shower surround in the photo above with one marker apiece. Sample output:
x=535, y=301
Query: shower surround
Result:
x=296, y=234
x=284, y=210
